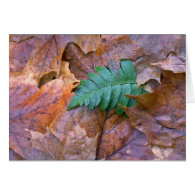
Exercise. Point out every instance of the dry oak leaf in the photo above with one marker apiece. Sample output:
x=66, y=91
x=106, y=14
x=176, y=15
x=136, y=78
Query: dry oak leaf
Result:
x=114, y=48
x=110, y=50
x=172, y=63
x=33, y=108
x=159, y=46
x=91, y=120
x=78, y=130
x=167, y=103
x=47, y=145
x=44, y=52
x=116, y=131
x=156, y=134
x=19, y=53
x=145, y=71
x=47, y=54
x=136, y=148
x=80, y=63
x=163, y=121
x=79, y=146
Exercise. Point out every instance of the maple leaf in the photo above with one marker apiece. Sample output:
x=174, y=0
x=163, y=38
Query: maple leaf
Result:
x=33, y=108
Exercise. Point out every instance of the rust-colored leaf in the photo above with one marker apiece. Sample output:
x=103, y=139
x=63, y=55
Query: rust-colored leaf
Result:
x=114, y=48
x=91, y=120
x=33, y=108
x=80, y=64
x=116, y=132
x=161, y=117
x=48, y=146
x=167, y=103
x=79, y=146
x=172, y=63
x=145, y=71
x=19, y=53
x=159, y=46
x=136, y=148
x=156, y=133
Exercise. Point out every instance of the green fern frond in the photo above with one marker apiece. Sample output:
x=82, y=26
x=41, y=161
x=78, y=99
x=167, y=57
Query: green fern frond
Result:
x=107, y=89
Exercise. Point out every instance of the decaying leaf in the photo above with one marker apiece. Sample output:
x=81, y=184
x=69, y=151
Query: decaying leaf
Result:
x=156, y=133
x=172, y=63
x=136, y=148
x=145, y=71
x=33, y=108
x=80, y=64
x=159, y=46
x=161, y=115
x=91, y=120
x=167, y=103
x=114, y=48
x=19, y=53
x=48, y=146
x=78, y=146
x=115, y=133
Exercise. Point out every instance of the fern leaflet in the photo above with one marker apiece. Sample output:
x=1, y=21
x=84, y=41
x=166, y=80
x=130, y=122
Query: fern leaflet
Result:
x=107, y=89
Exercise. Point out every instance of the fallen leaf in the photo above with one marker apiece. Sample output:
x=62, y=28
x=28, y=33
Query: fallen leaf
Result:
x=172, y=63
x=136, y=148
x=91, y=120
x=159, y=46
x=79, y=146
x=48, y=146
x=114, y=48
x=33, y=108
x=19, y=53
x=43, y=53
x=115, y=133
x=156, y=133
x=80, y=64
x=167, y=103
x=145, y=71
x=161, y=116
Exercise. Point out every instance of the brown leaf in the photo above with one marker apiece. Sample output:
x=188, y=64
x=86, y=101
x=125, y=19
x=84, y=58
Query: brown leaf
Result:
x=80, y=64
x=78, y=130
x=156, y=133
x=47, y=54
x=110, y=50
x=161, y=117
x=43, y=53
x=145, y=71
x=116, y=132
x=114, y=48
x=167, y=103
x=172, y=63
x=91, y=120
x=79, y=146
x=19, y=53
x=136, y=148
x=33, y=108
x=159, y=46
x=48, y=146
